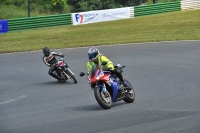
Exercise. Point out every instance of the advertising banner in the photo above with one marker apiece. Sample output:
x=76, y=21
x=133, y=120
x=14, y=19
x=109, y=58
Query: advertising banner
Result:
x=100, y=15
x=3, y=26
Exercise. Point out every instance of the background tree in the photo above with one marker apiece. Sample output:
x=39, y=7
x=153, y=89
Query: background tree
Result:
x=58, y=6
x=89, y=5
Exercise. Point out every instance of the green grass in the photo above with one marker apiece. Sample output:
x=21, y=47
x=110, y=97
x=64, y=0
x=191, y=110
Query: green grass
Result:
x=11, y=11
x=182, y=25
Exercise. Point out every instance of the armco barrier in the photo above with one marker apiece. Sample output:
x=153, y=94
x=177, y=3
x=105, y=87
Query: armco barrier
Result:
x=38, y=22
x=3, y=26
x=66, y=19
x=157, y=8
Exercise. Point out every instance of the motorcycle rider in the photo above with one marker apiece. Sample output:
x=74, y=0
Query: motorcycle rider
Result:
x=50, y=60
x=95, y=57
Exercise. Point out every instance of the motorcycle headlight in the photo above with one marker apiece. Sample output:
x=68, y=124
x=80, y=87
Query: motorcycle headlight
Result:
x=98, y=77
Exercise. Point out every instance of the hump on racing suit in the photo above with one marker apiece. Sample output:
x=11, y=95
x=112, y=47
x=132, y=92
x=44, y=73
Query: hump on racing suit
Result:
x=51, y=59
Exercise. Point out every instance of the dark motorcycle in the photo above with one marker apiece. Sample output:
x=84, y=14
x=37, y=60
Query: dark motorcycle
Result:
x=108, y=88
x=64, y=71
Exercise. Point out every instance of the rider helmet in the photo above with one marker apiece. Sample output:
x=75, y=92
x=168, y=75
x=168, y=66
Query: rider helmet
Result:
x=93, y=53
x=46, y=51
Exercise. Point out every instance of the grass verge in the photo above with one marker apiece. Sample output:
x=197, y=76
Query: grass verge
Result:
x=181, y=25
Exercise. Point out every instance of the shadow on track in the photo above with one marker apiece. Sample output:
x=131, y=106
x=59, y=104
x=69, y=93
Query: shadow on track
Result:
x=96, y=107
x=55, y=83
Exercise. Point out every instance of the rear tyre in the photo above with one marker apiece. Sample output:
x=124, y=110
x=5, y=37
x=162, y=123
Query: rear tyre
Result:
x=130, y=94
x=104, y=100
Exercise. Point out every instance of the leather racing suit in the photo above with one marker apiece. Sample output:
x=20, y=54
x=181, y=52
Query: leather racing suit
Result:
x=51, y=61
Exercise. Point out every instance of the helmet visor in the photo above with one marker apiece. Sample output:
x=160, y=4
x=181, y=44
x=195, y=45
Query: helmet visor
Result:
x=46, y=53
x=90, y=56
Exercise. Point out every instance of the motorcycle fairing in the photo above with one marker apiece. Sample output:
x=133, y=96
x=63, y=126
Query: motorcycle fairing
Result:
x=106, y=76
x=111, y=81
x=114, y=86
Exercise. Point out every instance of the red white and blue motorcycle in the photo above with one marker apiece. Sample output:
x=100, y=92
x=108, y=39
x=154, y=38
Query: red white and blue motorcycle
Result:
x=107, y=87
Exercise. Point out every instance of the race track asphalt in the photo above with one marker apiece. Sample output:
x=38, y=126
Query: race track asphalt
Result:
x=165, y=77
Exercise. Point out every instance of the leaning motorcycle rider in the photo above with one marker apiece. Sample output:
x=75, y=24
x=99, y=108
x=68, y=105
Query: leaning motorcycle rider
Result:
x=50, y=60
x=95, y=57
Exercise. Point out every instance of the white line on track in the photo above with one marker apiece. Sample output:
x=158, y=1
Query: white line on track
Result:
x=12, y=100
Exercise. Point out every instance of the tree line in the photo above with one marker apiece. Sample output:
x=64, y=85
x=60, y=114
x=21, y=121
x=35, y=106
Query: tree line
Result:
x=89, y=5
x=69, y=6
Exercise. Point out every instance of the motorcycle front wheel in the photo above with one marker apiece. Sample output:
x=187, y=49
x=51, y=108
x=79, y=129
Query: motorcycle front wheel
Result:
x=71, y=75
x=104, y=100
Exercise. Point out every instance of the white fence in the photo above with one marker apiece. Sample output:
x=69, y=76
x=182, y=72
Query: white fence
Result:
x=190, y=4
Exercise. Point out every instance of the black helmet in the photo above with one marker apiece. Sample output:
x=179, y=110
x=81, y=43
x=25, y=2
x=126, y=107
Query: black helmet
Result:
x=46, y=51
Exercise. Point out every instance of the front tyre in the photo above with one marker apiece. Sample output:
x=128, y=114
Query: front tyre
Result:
x=73, y=79
x=71, y=75
x=130, y=93
x=104, y=100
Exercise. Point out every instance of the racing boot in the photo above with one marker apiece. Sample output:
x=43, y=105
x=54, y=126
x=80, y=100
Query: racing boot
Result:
x=59, y=78
x=62, y=79
x=55, y=76
x=122, y=87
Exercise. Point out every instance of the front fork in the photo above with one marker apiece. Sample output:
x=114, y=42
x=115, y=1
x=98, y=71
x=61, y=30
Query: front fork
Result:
x=103, y=87
x=68, y=70
x=65, y=74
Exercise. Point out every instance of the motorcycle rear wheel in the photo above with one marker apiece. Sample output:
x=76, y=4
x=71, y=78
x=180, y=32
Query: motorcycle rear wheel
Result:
x=130, y=94
x=104, y=101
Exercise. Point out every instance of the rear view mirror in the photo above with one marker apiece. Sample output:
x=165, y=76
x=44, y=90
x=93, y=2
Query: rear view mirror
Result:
x=82, y=74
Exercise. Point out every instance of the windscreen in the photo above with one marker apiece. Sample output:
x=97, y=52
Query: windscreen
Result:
x=93, y=70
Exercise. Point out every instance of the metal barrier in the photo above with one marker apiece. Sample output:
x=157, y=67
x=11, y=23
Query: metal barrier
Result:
x=38, y=22
x=66, y=19
x=157, y=8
